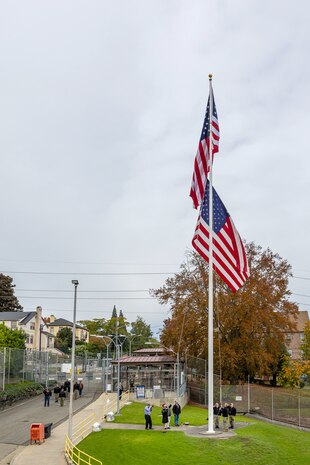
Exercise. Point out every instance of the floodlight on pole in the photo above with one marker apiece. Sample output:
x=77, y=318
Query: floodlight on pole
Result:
x=75, y=283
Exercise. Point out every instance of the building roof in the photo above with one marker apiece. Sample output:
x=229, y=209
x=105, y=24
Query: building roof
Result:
x=22, y=317
x=151, y=350
x=63, y=322
x=148, y=360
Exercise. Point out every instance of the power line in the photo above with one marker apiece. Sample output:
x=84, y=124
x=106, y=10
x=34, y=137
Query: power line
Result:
x=89, y=274
x=59, y=290
x=85, y=298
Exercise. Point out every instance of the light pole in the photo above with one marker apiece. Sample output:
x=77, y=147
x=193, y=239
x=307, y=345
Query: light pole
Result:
x=130, y=341
x=75, y=283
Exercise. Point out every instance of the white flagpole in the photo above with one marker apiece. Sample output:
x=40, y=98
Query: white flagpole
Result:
x=210, y=301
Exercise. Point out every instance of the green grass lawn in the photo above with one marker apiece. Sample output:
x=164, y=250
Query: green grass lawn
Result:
x=134, y=414
x=257, y=443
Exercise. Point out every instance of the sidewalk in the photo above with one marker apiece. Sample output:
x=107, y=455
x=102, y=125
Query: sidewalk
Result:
x=51, y=451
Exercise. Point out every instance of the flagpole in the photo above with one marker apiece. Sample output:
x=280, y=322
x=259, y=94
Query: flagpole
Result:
x=210, y=297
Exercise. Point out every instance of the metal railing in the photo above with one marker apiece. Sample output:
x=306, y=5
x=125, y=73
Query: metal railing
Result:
x=76, y=456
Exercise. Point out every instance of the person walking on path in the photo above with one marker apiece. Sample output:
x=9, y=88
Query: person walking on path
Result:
x=225, y=413
x=147, y=416
x=81, y=388
x=165, y=417
x=47, y=395
x=56, y=392
x=176, y=409
x=76, y=388
x=217, y=413
x=232, y=414
x=62, y=396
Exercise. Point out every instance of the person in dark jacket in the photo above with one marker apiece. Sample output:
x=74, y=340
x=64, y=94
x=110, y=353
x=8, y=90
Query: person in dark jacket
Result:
x=232, y=414
x=67, y=385
x=216, y=414
x=176, y=409
x=62, y=396
x=56, y=392
x=47, y=395
x=165, y=417
x=225, y=413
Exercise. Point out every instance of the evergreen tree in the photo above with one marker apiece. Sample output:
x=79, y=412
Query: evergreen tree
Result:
x=114, y=313
x=8, y=301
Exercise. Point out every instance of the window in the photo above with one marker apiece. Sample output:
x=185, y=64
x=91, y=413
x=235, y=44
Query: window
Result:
x=13, y=324
x=32, y=325
x=29, y=339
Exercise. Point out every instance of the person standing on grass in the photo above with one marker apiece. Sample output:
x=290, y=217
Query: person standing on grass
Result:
x=169, y=415
x=217, y=414
x=225, y=413
x=147, y=416
x=165, y=417
x=176, y=409
x=232, y=414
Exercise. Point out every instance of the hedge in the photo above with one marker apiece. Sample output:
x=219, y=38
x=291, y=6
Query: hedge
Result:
x=15, y=392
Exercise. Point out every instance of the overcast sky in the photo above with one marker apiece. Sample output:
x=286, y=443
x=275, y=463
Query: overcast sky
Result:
x=101, y=109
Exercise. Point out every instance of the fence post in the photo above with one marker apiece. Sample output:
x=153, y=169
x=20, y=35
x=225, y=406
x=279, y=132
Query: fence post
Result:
x=272, y=403
x=299, y=407
x=9, y=365
x=205, y=382
x=4, y=362
x=249, y=400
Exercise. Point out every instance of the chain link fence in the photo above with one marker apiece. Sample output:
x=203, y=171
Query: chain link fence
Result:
x=286, y=405
x=18, y=365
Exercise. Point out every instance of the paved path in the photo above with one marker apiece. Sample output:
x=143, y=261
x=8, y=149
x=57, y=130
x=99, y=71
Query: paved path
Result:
x=15, y=421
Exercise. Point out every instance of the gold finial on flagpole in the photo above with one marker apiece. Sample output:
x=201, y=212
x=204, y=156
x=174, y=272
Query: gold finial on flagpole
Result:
x=210, y=77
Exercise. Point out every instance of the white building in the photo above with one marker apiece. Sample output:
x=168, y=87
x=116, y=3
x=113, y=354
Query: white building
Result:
x=32, y=323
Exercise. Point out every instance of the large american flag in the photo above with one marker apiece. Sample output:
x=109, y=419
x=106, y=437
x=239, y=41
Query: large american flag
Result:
x=202, y=159
x=229, y=258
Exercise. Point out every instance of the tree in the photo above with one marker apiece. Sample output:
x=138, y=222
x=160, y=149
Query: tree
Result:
x=63, y=339
x=305, y=346
x=95, y=326
x=14, y=338
x=249, y=325
x=8, y=301
x=294, y=372
x=142, y=331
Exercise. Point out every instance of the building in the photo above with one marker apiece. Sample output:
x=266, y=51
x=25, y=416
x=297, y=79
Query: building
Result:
x=149, y=367
x=295, y=338
x=55, y=324
x=32, y=323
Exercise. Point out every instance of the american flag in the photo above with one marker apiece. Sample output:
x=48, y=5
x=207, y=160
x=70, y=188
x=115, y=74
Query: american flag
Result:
x=202, y=159
x=229, y=258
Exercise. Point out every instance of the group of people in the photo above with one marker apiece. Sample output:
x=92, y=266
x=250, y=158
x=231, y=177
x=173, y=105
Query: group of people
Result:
x=165, y=413
x=60, y=392
x=228, y=412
